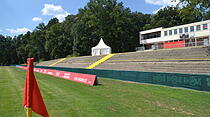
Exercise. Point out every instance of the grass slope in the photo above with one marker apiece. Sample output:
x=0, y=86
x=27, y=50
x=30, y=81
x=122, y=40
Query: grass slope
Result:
x=111, y=98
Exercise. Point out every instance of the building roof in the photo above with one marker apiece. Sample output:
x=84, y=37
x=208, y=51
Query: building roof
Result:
x=187, y=25
x=169, y=28
x=151, y=30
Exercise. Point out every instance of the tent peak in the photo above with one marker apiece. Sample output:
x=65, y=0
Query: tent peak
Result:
x=102, y=41
x=101, y=49
x=101, y=44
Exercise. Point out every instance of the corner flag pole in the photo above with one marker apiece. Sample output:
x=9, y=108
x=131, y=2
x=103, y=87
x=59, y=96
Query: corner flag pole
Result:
x=28, y=112
x=32, y=99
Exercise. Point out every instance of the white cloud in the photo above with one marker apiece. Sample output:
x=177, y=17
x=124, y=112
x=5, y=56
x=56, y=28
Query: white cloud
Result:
x=36, y=19
x=55, y=11
x=162, y=3
x=18, y=30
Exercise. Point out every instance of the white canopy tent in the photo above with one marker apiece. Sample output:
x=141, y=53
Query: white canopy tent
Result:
x=101, y=49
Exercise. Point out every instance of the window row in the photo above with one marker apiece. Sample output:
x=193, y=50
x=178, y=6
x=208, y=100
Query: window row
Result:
x=151, y=35
x=186, y=30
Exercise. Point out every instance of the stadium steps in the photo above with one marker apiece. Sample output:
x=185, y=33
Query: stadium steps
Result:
x=165, y=60
x=166, y=54
x=47, y=63
x=202, y=67
x=174, y=60
x=79, y=62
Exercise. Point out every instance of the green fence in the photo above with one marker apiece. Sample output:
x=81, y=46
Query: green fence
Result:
x=192, y=81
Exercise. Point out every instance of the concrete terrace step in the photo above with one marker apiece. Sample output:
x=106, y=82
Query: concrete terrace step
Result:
x=188, y=67
x=167, y=64
x=47, y=63
x=143, y=56
x=167, y=70
x=78, y=62
x=75, y=65
x=164, y=54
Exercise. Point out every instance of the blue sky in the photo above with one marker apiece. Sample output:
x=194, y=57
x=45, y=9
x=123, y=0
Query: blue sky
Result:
x=20, y=16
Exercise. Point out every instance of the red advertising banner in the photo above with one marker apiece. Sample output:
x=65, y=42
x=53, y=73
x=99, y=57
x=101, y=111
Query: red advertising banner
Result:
x=77, y=77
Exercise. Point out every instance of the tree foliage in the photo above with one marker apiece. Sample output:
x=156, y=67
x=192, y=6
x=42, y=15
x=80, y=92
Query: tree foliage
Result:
x=200, y=8
x=166, y=17
x=107, y=19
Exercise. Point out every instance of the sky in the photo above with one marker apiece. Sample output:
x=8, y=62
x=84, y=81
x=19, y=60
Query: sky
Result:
x=20, y=16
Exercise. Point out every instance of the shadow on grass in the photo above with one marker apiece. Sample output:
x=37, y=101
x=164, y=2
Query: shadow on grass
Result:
x=98, y=85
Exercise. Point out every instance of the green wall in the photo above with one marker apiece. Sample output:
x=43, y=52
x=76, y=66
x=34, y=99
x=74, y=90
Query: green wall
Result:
x=192, y=81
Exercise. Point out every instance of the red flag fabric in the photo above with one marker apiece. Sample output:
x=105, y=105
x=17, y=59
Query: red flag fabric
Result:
x=32, y=96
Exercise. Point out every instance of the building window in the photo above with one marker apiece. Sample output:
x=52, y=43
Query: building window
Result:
x=186, y=29
x=191, y=28
x=198, y=27
x=180, y=30
x=165, y=33
x=175, y=31
x=151, y=35
x=170, y=32
x=205, y=27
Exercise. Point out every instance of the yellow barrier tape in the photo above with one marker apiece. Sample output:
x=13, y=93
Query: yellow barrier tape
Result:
x=100, y=61
x=58, y=62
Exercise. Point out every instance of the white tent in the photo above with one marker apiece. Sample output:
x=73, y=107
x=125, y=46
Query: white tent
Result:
x=101, y=49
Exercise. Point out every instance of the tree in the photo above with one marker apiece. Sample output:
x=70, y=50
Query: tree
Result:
x=67, y=28
x=207, y=16
x=52, y=22
x=22, y=46
x=41, y=27
x=107, y=19
x=200, y=7
x=7, y=51
x=57, y=44
x=189, y=15
x=37, y=43
x=166, y=17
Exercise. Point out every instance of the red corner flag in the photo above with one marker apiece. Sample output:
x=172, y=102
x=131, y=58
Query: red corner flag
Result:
x=32, y=96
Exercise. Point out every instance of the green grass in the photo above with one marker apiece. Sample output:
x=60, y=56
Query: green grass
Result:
x=111, y=98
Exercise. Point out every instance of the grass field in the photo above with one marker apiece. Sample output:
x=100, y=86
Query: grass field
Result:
x=111, y=98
